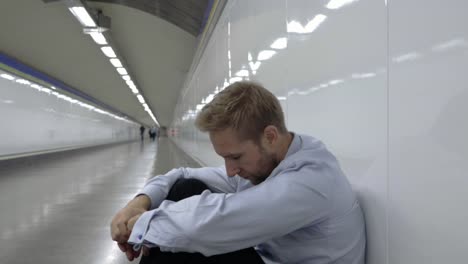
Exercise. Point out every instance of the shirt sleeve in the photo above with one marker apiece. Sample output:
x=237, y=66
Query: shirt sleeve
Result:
x=216, y=223
x=159, y=186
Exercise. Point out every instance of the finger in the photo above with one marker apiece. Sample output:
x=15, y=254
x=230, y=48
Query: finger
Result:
x=122, y=247
x=146, y=251
x=114, y=230
x=121, y=232
x=136, y=254
x=130, y=249
x=129, y=255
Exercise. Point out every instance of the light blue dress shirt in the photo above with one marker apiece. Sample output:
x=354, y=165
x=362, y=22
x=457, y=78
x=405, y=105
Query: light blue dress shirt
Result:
x=304, y=212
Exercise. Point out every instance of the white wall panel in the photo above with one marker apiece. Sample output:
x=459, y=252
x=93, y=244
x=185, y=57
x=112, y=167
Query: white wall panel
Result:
x=35, y=121
x=337, y=81
x=383, y=84
x=428, y=128
x=331, y=81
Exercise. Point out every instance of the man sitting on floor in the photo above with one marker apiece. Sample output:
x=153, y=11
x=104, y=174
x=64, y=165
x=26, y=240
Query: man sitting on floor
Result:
x=281, y=195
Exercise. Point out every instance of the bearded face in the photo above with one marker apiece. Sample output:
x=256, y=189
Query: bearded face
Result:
x=248, y=159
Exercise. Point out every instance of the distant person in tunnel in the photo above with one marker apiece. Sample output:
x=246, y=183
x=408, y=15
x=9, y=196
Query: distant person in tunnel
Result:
x=152, y=133
x=142, y=132
x=281, y=196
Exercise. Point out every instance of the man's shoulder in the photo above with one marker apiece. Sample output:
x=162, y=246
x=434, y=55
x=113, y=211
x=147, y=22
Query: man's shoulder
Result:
x=311, y=152
x=309, y=148
x=309, y=142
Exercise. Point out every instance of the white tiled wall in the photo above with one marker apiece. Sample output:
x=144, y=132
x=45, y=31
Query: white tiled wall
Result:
x=383, y=83
x=35, y=118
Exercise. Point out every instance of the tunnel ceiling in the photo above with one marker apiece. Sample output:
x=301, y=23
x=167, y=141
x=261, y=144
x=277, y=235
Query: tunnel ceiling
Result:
x=157, y=40
x=186, y=14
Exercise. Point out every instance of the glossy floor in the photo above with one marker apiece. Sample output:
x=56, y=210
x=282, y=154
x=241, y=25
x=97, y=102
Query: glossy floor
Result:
x=57, y=208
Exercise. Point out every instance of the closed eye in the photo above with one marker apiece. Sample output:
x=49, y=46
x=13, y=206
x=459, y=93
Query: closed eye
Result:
x=236, y=157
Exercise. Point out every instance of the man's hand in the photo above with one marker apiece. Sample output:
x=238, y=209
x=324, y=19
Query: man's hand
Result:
x=120, y=228
x=131, y=254
x=132, y=221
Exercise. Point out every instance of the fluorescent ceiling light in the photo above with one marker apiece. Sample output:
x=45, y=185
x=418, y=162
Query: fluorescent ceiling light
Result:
x=450, y=45
x=407, y=57
x=243, y=73
x=265, y=54
x=22, y=81
x=134, y=89
x=140, y=98
x=98, y=38
x=35, y=86
x=126, y=78
x=363, y=75
x=280, y=43
x=116, y=62
x=296, y=27
x=108, y=51
x=7, y=76
x=235, y=79
x=122, y=71
x=255, y=65
x=46, y=90
x=130, y=83
x=315, y=22
x=335, y=4
x=209, y=98
x=334, y=82
x=282, y=98
x=83, y=16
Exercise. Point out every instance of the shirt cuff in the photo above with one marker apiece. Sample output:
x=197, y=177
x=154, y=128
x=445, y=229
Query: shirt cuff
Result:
x=140, y=229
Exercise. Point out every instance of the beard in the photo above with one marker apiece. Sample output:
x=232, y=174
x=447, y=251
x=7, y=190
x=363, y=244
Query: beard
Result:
x=266, y=165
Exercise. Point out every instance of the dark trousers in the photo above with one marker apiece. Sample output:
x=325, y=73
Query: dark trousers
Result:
x=182, y=189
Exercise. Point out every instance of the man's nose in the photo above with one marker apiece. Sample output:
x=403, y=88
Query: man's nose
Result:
x=231, y=168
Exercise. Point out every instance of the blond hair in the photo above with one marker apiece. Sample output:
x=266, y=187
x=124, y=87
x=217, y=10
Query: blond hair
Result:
x=246, y=107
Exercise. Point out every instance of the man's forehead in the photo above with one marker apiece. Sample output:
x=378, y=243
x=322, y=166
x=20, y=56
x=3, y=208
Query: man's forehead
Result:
x=225, y=148
x=224, y=137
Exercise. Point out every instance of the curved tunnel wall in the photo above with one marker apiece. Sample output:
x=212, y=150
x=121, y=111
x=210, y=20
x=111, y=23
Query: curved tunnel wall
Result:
x=38, y=115
x=382, y=83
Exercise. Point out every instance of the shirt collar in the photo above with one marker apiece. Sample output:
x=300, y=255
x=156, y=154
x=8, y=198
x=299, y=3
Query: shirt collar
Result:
x=294, y=147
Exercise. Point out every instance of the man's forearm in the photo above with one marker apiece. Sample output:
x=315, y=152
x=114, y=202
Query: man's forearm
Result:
x=141, y=201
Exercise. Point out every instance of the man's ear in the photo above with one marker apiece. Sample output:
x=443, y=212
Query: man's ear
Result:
x=270, y=134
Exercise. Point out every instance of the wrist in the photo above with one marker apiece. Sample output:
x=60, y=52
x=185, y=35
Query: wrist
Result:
x=142, y=201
